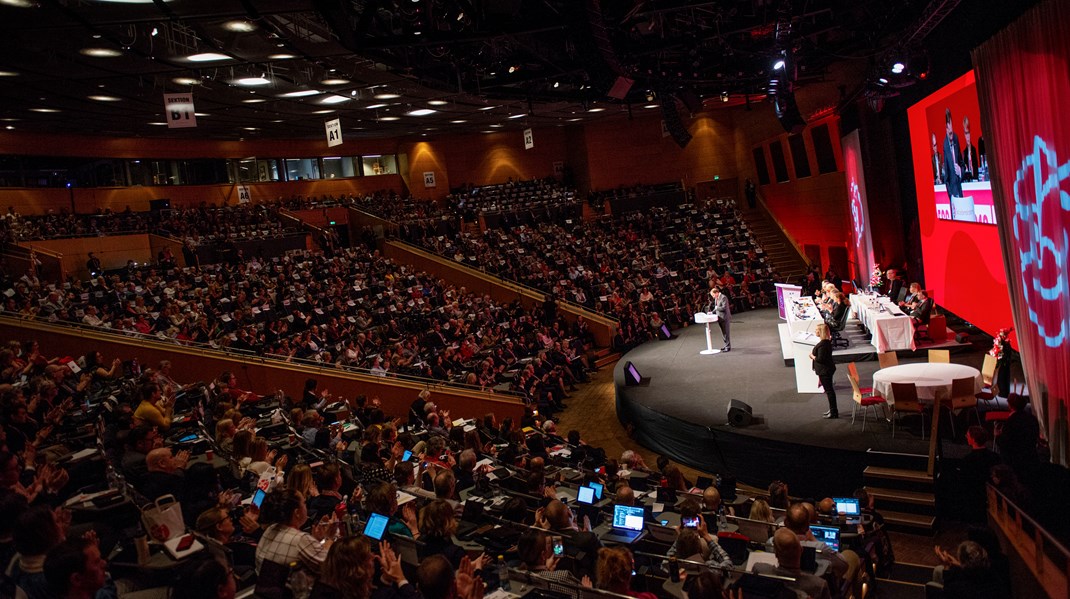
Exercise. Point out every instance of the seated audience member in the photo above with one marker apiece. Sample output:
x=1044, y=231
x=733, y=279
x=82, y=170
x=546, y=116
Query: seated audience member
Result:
x=37, y=531
x=759, y=510
x=140, y=440
x=329, y=484
x=615, y=567
x=625, y=495
x=205, y=579
x=164, y=476
x=283, y=542
x=973, y=472
x=711, y=503
x=438, y=524
x=797, y=520
x=789, y=552
x=12, y=505
x=383, y=499
x=536, y=552
x=557, y=518
x=706, y=585
x=154, y=409
x=1017, y=438
x=347, y=573
x=967, y=574
x=436, y=578
x=74, y=569
x=697, y=544
x=778, y=495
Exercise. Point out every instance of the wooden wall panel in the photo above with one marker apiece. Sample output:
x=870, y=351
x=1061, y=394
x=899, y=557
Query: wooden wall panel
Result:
x=113, y=251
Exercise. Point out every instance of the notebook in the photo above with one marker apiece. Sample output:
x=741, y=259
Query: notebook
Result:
x=627, y=524
x=829, y=535
x=848, y=506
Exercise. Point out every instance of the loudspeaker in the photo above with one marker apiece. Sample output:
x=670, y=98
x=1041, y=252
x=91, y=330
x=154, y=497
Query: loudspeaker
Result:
x=664, y=333
x=739, y=413
x=961, y=337
x=632, y=376
x=787, y=112
x=160, y=204
x=620, y=88
x=676, y=127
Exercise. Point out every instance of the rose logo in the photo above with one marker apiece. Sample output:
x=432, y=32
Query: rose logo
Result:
x=1041, y=206
x=857, y=217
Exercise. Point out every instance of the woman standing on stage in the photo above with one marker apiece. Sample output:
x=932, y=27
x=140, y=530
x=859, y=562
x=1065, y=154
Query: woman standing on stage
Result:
x=825, y=367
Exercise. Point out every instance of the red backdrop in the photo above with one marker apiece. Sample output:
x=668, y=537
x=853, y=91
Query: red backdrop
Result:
x=963, y=261
x=1022, y=76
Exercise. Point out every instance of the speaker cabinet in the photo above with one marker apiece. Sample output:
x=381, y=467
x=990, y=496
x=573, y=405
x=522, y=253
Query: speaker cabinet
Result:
x=739, y=413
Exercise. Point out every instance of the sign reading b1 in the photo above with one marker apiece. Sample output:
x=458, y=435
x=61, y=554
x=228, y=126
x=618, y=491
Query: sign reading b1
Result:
x=334, y=132
x=179, y=110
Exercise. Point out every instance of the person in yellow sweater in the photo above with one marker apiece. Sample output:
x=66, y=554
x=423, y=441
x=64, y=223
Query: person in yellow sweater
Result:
x=154, y=408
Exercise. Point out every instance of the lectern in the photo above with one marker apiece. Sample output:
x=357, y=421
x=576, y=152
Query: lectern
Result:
x=707, y=318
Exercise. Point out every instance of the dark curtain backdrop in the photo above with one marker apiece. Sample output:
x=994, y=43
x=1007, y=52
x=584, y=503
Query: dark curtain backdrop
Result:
x=1023, y=80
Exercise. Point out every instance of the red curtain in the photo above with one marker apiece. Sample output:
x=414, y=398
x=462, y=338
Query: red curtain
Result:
x=1023, y=80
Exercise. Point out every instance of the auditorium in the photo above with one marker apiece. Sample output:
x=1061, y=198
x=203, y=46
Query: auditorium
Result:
x=542, y=299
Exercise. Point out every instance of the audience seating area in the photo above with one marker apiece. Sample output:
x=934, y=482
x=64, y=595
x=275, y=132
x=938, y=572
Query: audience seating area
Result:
x=516, y=203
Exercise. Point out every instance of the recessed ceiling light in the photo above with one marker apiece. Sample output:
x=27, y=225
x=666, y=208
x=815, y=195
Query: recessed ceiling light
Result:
x=252, y=81
x=240, y=26
x=421, y=112
x=46, y=110
x=595, y=109
x=282, y=56
x=517, y=116
x=253, y=101
x=251, y=128
x=8, y=74
x=100, y=52
x=389, y=118
x=10, y=120
x=335, y=81
x=458, y=121
x=9, y=127
x=437, y=102
x=105, y=98
x=278, y=121
x=334, y=100
x=488, y=108
x=158, y=124
x=575, y=119
x=301, y=93
x=651, y=106
x=387, y=96
x=207, y=57
x=486, y=131
x=374, y=106
x=186, y=81
x=201, y=114
x=497, y=125
x=17, y=3
x=326, y=111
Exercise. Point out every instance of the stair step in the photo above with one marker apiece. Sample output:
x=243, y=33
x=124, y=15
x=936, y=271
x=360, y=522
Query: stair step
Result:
x=900, y=496
x=607, y=360
x=909, y=520
x=916, y=476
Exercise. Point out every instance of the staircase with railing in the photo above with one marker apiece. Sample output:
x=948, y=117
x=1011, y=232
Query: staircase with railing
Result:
x=781, y=250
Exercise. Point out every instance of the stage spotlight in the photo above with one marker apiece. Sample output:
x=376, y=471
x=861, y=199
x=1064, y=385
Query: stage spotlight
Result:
x=779, y=64
x=898, y=68
x=724, y=97
x=557, y=84
x=883, y=81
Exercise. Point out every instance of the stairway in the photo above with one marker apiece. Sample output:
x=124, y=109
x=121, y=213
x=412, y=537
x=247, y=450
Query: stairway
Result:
x=778, y=249
x=902, y=489
x=605, y=356
x=472, y=228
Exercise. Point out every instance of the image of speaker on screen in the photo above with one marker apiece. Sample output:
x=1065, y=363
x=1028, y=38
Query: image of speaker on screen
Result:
x=970, y=162
x=952, y=159
x=937, y=163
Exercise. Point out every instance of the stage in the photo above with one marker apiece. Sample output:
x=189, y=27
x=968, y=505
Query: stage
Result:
x=682, y=411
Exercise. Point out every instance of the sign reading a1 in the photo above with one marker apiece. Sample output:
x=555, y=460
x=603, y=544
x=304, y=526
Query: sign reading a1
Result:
x=334, y=132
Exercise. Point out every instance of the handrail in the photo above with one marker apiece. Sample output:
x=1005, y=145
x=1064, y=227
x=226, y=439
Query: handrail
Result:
x=1033, y=543
x=208, y=351
x=780, y=225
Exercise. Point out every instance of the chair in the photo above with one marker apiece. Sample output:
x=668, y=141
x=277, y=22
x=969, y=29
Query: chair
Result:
x=271, y=581
x=906, y=402
x=939, y=356
x=888, y=359
x=757, y=531
x=836, y=327
x=863, y=397
x=962, y=397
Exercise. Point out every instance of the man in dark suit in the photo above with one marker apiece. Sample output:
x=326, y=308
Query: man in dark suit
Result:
x=969, y=154
x=895, y=284
x=952, y=158
x=1017, y=438
x=724, y=315
x=922, y=310
x=937, y=164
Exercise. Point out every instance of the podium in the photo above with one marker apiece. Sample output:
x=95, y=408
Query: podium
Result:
x=805, y=380
x=707, y=318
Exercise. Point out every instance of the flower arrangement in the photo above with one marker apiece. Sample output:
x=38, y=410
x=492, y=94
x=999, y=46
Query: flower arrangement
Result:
x=876, y=278
x=1001, y=349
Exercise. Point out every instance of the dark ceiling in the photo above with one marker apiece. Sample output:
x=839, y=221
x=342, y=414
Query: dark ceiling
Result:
x=479, y=64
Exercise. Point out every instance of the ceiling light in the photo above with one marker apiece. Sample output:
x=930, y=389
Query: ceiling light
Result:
x=335, y=81
x=497, y=125
x=239, y=25
x=488, y=108
x=883, y=81
x=105, y=98
x=186, y=81
x=251, y=128
x=155, y=31
x=898, y=68
x=17, y=3
x=437, y=102
x=374, y=106
x=252, y=81
x=8, y=74
x=158, y=124
x=557, y=84
x=595, y=109
x=301, y=93
x=575, y=119
x=421, y=112
x=487, y=132
x=324, y=111
x=517, y=116
x=278, y=121
x=282, y=56
x=9, y=127
x=334, y=100
x=513, y=69
x=253, y=101
x=100, y=52
x=47, y=110
x=389, y=118
x=651, y=106
x=779, y=64
x=458, y=121
x=201, y=114
x=207, y=57
x=386, y=96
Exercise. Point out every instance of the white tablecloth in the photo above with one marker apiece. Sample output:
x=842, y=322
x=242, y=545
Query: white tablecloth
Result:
x=928, y=377
x=891, y=330
x=803, y=316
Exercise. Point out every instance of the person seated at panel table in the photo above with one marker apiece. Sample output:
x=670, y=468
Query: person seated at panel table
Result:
x=911, y=300
x=923, y=309
x=895, y=284
x=838, y=308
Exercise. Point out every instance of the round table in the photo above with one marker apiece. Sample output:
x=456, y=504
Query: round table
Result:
x=929, y=379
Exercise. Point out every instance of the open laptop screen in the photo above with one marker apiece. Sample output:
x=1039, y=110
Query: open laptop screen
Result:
x=585, y=495
x=597, y=490
x=846, y=505
x=829, y=535
x=626, y=516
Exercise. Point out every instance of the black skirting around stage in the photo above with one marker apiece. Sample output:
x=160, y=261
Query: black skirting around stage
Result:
x=683, y=411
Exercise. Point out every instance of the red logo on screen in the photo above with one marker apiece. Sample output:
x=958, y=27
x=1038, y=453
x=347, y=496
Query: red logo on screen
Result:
x=1042, y=206
x=857, y=216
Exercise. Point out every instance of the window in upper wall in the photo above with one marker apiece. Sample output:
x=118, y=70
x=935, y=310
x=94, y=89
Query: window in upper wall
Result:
x=759, y=165
x=267, y=170
x=780, y=167
x=335, y=167
x=826, y=157
x=246, y=170
x=302, y=169
x=207, y=171
x=385, y=164
x=798, y=156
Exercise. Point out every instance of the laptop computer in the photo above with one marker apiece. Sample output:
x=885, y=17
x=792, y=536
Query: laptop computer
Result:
x=585, y=495
x=829, y=535
x=627, y=524
x=848, y=506
x=666, y=495
x=473, y=511
x=598, y=490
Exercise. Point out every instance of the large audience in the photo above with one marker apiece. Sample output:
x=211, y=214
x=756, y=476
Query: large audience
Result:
x=119, y=479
